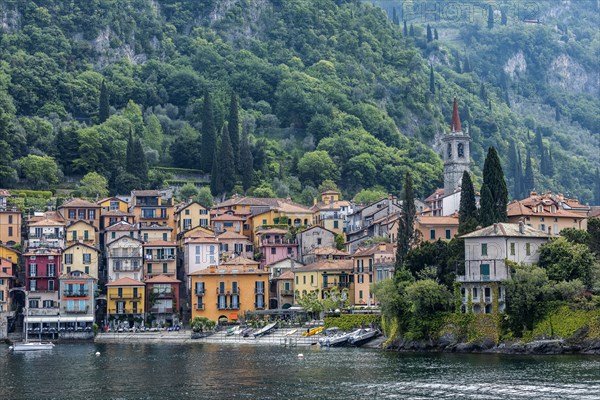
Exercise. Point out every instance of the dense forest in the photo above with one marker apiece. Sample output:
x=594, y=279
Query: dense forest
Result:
x=276, y=97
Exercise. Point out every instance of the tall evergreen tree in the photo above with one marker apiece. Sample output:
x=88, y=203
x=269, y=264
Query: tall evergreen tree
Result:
x=103, y=104
x=539, y=143
x=226, y=164
x=405, y=29
x=234, y=130
x=490, y=19
x=130, y=157
x=467, y=212
x=411, y=30
x=597, y=187
x=544, y=161
x=493, y=206
x=142, y=163
x=429, y=34
x=521, y=187
x=435, y=34
x=246, y=161
x=216, y=180
x=550, y=163
x=406, y=224
x=514, y=169
x=528, y=179
x=208, y=147
x=395, y=18
x=431, y=79
x=467, y=64
x=503, y=16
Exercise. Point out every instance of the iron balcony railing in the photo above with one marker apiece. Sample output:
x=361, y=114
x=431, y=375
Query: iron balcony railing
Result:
x=76, y=310
x=75, y=293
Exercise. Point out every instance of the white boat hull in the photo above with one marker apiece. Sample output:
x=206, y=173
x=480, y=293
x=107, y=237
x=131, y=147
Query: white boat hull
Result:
x=31, y=346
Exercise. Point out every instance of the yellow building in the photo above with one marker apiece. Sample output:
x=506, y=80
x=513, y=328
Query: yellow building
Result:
x=125, y=300
x=198, y=231
x=114, y=204
x=9, y=253
x=150, y=209
x=81, y=257
x=330, y=211
x=229, y=290
x=78, y=209
x=82, y=232
x=10, y=226
x=323, y=276
x=191, y=215
x=372, y=264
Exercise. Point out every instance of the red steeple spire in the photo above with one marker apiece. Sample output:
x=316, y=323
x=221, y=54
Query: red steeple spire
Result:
x=455, y=127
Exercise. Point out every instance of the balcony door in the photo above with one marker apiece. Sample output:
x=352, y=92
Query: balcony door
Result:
x=484, y=271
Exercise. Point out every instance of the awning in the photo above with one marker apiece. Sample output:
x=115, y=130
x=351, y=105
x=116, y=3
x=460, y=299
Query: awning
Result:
x=56, y=318
x=233, y=316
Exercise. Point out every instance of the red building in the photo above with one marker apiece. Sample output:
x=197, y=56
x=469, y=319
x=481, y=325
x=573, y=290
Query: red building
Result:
x=42, y=269
x=162, y=297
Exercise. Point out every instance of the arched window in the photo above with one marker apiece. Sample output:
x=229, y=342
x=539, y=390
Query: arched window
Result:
x=461, y=150
x=449, y=150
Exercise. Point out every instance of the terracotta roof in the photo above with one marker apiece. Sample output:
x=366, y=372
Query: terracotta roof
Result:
x=123, y=238
x=437, y=220
x=506, y=230
x=4, y=275
x=81, y=244
x=125, y=282
x=517, y=208
x=145, y=193
x=237, y=269
x=10, y=248
x=326, y=265
x=336, y=205
x=116, y=213
x=287, y=275
x=201, y=234
x=227, y=217
x=289, y=206
x=200, y=240
x=375, y=249
x=121, y=226
x=46, y=222
x=111, y=198
x=162, y=279
x=155, y=227
x=79, y=203
x=182, y=206
x=317, y=227
x=53, y=215
x=273, y=231
x=159, y=243
x=231, y=235
x=4, y=193
x=436, y=195
x=81, y=221
x=41, y=252
x=241, y=261
x=594, y=212
x=329, y=251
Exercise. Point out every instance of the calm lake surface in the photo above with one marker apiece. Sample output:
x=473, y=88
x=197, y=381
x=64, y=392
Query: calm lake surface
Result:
x=211, y=371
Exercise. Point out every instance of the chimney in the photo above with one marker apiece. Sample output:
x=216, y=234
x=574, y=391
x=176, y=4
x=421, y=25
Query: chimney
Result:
x=455, y=127
x=495, y=228
x=314, y=201
x=521, y=227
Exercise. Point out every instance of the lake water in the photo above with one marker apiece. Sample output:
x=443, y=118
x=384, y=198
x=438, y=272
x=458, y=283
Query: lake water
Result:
x=211, y=371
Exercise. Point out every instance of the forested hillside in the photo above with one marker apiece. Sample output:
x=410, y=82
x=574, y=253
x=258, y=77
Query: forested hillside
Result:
x=321, y=89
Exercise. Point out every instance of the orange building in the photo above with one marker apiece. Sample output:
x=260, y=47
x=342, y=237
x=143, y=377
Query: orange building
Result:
x=80, y=210
x=228, y=291
x=10, y=226
x=432, y=228
x=150, y=209
x=372, y=264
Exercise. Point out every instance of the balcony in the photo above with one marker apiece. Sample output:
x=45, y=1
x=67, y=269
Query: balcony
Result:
x=163, y=293
x=125, y=268
x=156, y=310
x=122, y=311
x=126, y=296
x=200, y=292
x=161, y=258
x=340, y=285
x=259, y=290
x=76, y=310
x=228, y=292
x=286, y=293
x=43, y=311
x=75, y=293
x=278, y=242
x=199, y=306
x=473, y=278
x=45, y=236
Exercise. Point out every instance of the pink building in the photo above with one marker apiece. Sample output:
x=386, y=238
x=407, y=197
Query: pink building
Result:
x=42, y=269
x=275, y=247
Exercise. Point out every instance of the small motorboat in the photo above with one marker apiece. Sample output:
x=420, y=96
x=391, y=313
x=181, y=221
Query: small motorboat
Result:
x=265, y=330
x=362, y=336
x=313, y=331
x=31, y=346
x=233, y=331
x=246, y=332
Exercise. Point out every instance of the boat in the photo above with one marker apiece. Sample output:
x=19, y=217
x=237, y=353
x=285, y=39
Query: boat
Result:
x=246, y=332
x=233, y=331
x=265, y=330
x=362, y=336
x=27, y=345
x=291, y=333
x=313, y=331
x=335, y=338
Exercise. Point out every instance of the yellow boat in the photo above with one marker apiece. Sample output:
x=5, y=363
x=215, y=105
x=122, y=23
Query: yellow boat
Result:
x=313, y=331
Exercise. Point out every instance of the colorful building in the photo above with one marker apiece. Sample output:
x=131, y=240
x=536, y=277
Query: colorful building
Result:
x=432, y=228
x=80, y=210
x=47, y=233
x=82, y=232
x=274, y=246
x=126, y=302
x=283, y=290
x=227, y=292
x=10, y=254
x=322, y=277
x=227, y=222
x=233, y=245
x=42, y=270
x=314, y=238
x=150, y=232
x=331, y=212
x=81, y=257
x=372, y=264
x=160, y=258
x=151, y=209
x=78, y=300
x=190, y=215
x=200, y=252
x=118, y=230
x=162, y=299
x=10, y=226
x=5, y=285
x=124, y=259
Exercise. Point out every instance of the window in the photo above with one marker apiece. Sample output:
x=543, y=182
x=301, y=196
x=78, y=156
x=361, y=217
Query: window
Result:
x=114, y=206
x=289, y=251
x=10, y=230
x=370, y=278
x=238, y=248
x=32, y=269
x=370, y=265
x=312, y=279
x=484, y=249
x=448, y=234
x=165, y=237
x=336, y=224
x=165, y=269
x=113, y=235
x=87, y=258
x=120, y=292
x=68, y=258
x=135, y=307
x=187, y=212
x=51, y=269
x=360, y=294
x=74, y=235
x=204, y=222
x=273, y=250
x=264, y=221
x=135, y=292
x=528, y=249
x=145, y=237
x=48, y=303
x=187, y=223
x=51, y=285
x=10, y=219
x=512, y=249
x=475, y=294
x=81, y=214
x=72, y=214
x=461, y=150
x=361, y=278
x=319, y=241
x=304, y=279
x=150, y=268
x=34, y=303
x=449, y=150
x=432, y=234
x=87, y=269
x=296, y=280
x=91, y=214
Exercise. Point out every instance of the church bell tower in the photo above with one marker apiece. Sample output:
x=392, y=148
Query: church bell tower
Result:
x=456, y=153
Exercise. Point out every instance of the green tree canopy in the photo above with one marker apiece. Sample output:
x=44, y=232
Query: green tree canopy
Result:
x=93, y=185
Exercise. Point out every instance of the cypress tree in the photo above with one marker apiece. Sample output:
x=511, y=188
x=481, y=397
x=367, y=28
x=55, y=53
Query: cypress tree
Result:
x=597, y=187
x=514, y=169
x=234, y=130
x=493, y=208
x=550, y=162
x=226, y=164
x=405, y=29
x=467, y=64
x=435, y=34
x=557, y=114
x=528, y=179
x=490, y=19
x=406, y=223
x=411, y=30
x=503, y=16
x=142, y=164
x=209, y=136
x=544, y=161
x=539, y=143
x=246, y=161
x=429, y=34
x=103, y=103
x=130, y=158
x=431, y=79
x=520, y=189
x=467, y=212
x=216, y=180
x=457, y=67
x=395, y=18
